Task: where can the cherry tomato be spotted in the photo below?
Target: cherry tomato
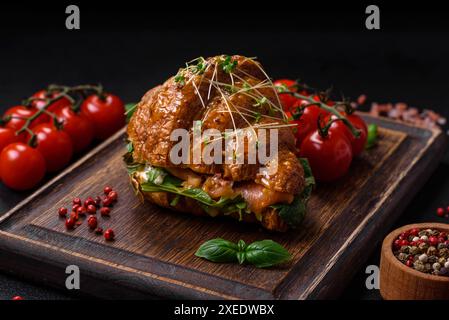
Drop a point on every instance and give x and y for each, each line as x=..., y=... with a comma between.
x=55, y=145
x=327, y=101
x=287, y=100
x=329, y=156
x=8, y=136
x=77, y=126
x=21, y=167
x=358, y=144
x=107, y=114
x=307, y=122
x=18, y=113
x=43, y=94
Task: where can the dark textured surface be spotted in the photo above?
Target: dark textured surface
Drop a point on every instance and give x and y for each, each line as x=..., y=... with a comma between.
x=389, y=65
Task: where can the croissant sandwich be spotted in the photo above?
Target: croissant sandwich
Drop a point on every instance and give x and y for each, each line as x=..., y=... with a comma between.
x=221, y=107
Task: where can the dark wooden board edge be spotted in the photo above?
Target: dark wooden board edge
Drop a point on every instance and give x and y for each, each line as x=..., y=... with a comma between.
x=137, y=264
x=99, y=273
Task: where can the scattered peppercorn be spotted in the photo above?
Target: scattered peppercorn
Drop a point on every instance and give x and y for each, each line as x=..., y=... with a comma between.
x=89, y=201
x=90, y=206
x=74, y=216
x=70, y=223
x=107, y=190
x=62, y=212
x=425, y=250
x=77, y=201
x=81, y=211
x=92, y=209
x=107, y=202
x=109, y=235
x=440, y=212
x=15, y=298
x=98, y=201
x=113, y=195
x=92, y=222
x=105, y=211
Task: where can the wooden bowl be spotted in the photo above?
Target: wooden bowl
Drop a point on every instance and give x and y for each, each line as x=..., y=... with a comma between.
x=399, y=282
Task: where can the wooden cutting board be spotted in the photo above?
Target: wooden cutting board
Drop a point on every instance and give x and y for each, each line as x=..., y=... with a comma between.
x=153, y=254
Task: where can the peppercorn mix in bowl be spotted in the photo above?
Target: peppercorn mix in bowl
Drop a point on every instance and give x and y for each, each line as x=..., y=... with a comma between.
x=414, y=264
x=425, y=250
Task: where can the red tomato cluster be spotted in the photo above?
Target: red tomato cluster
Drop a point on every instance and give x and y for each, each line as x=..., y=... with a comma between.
x=329, y=153
x=51, y=138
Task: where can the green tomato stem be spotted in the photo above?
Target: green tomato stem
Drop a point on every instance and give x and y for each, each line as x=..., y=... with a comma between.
x=62, y=92
x=329, y=109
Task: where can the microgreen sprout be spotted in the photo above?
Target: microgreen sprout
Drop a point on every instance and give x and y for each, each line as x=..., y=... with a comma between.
x=228, y=64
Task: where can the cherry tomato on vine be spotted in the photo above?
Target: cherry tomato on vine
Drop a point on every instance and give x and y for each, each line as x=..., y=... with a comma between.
x=326, y=100
x=329, y=156
x=21, y=166
x=19, y=113
x=107, y=114
x=43, y=94
x=287, y=100
x=358, y=144
x=78, y=127
x=55, y=145
x=308, y=121
x=8, y=136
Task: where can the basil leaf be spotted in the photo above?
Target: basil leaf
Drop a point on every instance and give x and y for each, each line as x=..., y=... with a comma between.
x=262, y=254
x=241, y=257
x=218, y=250
x=372, y=136
x=266, y=253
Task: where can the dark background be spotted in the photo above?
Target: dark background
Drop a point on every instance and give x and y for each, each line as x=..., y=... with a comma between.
x=129, y=48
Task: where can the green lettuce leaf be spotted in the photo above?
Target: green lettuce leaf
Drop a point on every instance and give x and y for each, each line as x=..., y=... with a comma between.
x=293, y=214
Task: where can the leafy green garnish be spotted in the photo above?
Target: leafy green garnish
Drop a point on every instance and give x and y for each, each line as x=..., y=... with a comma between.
x=281, y=88
x=200, y=67
x=228, y=64
x=180, y=79
x=130, y=147
x=262, y=254
x=372, y=136
x=129, y=110
x=308, y=176
x=160, y=180
x=131, y=165
x=266, y=253
x=175, y=200
x=218, y=250
x=293, y=214
x=260, y=102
